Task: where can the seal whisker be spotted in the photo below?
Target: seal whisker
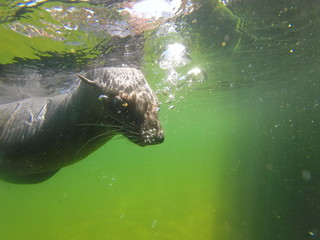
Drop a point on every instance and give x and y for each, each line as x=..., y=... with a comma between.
x=134, y=139
x=115, y=127
x=118, y=137
x=100, y=125
x=104, y=136
x=131, y=126
x=135, y=133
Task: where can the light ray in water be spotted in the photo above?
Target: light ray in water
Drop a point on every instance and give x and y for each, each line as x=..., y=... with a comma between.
x=154, y=9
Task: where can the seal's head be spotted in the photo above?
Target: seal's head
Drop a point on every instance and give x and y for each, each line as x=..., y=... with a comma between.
x=129, y=104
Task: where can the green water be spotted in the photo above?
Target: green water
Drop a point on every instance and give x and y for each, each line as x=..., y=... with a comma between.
x=241, y=155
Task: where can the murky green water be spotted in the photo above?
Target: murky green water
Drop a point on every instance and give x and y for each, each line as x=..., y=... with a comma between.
x=241, y=155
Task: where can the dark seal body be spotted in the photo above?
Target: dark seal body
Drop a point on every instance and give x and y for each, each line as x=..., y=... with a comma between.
x=38, y=136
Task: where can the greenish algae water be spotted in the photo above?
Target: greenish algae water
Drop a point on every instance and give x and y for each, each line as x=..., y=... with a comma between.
x=170, y=191
x=240, y=159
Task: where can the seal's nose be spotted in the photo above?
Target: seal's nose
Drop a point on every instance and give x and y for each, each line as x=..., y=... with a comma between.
x=159, y=138
x=152, y=137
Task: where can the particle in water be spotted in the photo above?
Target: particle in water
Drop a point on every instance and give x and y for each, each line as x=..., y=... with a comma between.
x=306, y=175
x=312, y=234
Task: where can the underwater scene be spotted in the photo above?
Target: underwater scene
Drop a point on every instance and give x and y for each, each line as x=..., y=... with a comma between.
x=238, y=85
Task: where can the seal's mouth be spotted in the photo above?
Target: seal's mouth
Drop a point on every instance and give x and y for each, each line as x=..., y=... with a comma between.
x=145, y=137
x=151, y=137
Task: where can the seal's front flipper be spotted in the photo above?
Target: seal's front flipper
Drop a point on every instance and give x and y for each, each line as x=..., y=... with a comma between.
x=29, y=179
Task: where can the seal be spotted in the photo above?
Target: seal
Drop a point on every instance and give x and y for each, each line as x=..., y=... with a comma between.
x=40, y=135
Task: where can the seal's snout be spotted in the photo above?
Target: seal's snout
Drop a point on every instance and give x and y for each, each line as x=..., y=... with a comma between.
x=159, y=138
x=152, y=137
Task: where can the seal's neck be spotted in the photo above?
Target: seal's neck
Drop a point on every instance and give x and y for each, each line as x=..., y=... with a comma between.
x=82, y=104
x=80, y=115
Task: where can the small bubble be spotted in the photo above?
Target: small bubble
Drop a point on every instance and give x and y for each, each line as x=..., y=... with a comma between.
x=306, y=175
x=154, y=224
x=196, y=75
x=171, y=97
x=226, y=38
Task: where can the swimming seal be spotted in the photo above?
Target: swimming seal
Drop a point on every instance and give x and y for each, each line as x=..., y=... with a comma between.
x=38, y=136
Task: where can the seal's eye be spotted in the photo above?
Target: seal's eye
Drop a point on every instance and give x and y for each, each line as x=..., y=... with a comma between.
x=119, y=103
x=103, y=98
